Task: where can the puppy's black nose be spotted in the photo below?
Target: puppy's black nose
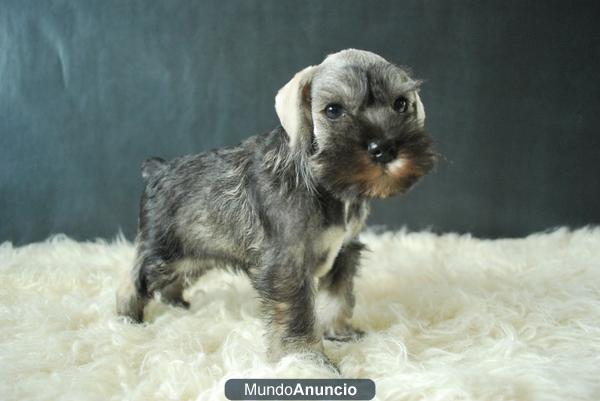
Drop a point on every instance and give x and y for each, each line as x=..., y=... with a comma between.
x=381, y=151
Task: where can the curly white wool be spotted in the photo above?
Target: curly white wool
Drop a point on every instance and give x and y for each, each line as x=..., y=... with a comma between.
x=448, y=318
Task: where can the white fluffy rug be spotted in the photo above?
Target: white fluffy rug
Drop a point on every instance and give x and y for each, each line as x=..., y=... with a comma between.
x=448, y=318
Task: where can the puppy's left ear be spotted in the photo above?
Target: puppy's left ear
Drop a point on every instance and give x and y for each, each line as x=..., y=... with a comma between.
x=292, y=105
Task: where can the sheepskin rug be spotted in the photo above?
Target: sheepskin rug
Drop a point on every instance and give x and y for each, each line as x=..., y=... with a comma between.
x=449, y=317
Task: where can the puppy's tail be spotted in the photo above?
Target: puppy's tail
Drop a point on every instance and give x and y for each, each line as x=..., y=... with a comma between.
x=152, y=166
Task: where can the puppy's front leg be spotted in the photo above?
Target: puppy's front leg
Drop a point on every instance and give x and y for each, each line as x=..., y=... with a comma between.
x=335, y=298
x=287, y=293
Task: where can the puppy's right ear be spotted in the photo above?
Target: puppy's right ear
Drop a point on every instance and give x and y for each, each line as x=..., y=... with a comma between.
x=292, y=105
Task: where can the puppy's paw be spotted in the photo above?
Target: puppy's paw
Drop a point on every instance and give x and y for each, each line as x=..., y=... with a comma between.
x=344, y=333
x=180, y=303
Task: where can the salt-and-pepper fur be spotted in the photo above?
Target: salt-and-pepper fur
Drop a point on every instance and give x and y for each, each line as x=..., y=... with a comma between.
x=285, y=207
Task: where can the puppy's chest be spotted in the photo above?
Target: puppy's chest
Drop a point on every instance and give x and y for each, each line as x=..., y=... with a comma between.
x=329, y=242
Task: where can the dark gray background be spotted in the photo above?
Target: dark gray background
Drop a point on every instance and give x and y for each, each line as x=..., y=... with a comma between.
x=88, y=89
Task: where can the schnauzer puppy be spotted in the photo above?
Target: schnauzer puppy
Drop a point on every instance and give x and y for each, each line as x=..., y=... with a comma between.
x=286, y=207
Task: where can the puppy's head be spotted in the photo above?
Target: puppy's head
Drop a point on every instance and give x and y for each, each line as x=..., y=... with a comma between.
x=361, y=121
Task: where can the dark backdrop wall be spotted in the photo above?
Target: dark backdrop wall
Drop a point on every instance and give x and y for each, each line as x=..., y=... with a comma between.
x=88, y=89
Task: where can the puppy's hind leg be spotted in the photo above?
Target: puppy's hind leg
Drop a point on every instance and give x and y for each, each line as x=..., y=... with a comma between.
x=130, y=302
x=185, y=272
x=150, y=273
x=173, y=293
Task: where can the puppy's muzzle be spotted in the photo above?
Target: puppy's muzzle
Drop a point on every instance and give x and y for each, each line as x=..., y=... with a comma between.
x=381, y=151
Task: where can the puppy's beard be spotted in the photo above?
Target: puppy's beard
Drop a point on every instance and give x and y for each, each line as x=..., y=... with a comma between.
x=347, y=171
x=383, y=181
x=396, y=167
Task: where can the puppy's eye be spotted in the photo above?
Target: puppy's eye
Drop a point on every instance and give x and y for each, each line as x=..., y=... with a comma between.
x=401, y=104
x=333, y=111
